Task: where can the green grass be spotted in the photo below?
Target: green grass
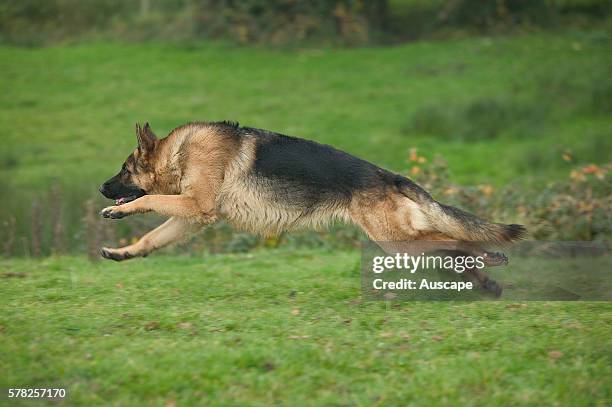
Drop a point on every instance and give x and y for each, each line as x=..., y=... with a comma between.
x=67, y=112
x=275, y=326
x=285, y=328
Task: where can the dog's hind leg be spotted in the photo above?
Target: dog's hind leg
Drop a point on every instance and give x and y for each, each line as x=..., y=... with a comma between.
x=397, y=227
x=476, y=275
x=384, y=218
x=472, y=249
x=171, y=231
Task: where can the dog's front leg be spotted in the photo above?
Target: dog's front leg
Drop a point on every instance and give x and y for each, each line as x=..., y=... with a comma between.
x=174, y=229
x=168, y=205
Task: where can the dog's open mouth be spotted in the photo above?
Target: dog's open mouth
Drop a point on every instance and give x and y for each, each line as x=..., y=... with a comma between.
x=127, y=199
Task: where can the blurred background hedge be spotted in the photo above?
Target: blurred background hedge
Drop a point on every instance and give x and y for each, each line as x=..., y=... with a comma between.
x=282, y=22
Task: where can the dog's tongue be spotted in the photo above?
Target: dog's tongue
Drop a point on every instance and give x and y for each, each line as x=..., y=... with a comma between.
x=120, y=201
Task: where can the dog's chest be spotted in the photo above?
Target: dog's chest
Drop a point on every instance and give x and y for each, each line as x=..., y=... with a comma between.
x=249, y=207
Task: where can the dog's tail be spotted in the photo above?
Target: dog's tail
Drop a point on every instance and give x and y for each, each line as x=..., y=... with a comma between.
x=455, y=222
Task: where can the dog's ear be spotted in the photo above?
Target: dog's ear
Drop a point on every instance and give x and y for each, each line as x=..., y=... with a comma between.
x=146, y=138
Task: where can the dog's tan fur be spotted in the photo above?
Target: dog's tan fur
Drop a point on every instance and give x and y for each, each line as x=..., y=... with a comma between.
x=250, y=205
x=200, y=173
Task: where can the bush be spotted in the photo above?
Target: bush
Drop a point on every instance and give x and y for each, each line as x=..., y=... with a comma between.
x=579, y=208
x=494, y=15
x=284, y=21
x=34, y=22
x=345, y=22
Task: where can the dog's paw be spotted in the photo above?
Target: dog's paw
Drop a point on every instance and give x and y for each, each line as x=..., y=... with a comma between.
x=495, y=259
x=113, y=254
x=112, y=212
x=492, y=287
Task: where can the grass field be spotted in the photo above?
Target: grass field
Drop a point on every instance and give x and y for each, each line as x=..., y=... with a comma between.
x=287, y=328
x=278, y=326
x=517, y=102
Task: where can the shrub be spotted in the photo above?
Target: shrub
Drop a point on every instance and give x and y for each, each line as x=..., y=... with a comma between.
x=579, y=208
x=33, y=22
x=348, y=22
x=487, y=15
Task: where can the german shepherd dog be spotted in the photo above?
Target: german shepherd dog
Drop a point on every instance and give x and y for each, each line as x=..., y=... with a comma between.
x=267, y=183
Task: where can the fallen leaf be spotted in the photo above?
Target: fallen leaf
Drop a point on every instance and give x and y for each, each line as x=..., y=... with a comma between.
x=185, y=325
x=437, y=338
x=119, y=285
x=295, y=311
x=555, y=354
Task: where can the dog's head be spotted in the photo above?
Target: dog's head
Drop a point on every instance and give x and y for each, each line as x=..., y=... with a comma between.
x=137, y=174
